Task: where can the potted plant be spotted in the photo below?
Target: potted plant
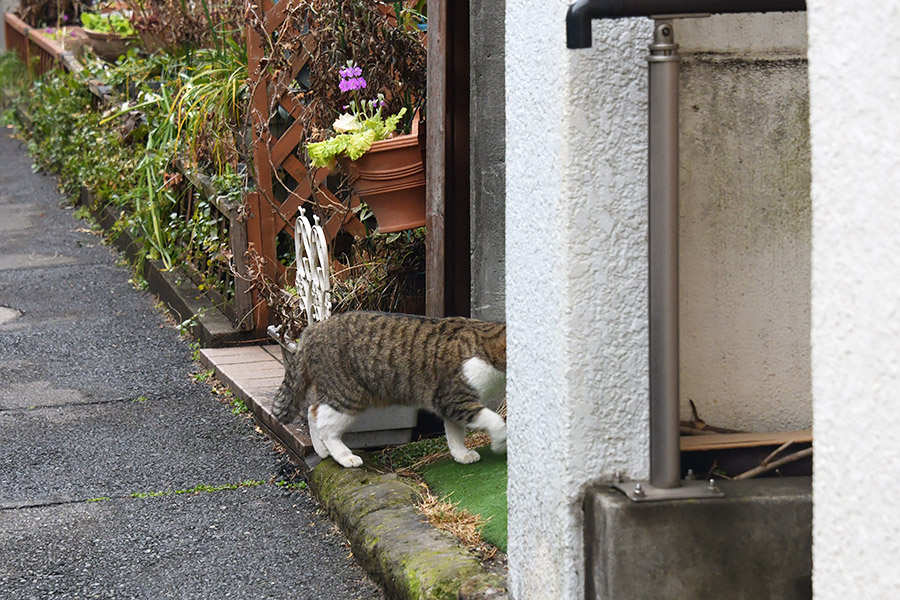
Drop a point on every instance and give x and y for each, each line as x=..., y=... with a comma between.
x=109, y=35
x=386, y=171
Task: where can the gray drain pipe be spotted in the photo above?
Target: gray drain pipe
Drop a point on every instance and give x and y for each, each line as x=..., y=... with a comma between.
x=664, y=70
x=580, y=14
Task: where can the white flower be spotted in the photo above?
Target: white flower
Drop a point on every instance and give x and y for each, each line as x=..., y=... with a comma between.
x=346, y=123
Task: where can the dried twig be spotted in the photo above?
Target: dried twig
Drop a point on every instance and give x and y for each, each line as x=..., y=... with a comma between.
x=763, y=468
x=688, y=430
x=777, y=451
x=697, y=426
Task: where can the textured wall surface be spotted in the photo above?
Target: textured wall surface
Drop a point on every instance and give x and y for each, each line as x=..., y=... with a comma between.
x=745, y=221
x=576, y=285
x=488, y=172
x=854, y=93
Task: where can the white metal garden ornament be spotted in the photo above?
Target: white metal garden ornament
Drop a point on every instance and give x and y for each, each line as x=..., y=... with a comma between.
x=313, y=279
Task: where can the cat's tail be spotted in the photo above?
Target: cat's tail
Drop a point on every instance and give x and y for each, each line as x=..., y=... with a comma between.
x=291, y=394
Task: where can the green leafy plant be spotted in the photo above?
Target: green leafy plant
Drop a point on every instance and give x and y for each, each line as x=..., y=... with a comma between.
x=357, y=129
x=107, y=23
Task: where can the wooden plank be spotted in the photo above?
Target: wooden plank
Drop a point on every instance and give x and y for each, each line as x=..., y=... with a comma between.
x=254, y=240
x=291, y=104
x=286, y=143
x=274, y=350
x=246, y=371
x=275, y=16
x=237, y=361
x=238, y=243
x=435, y=158
x=245, y=352
x=722, y=441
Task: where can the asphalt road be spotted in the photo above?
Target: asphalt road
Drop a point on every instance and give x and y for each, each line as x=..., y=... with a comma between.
x=102, y=429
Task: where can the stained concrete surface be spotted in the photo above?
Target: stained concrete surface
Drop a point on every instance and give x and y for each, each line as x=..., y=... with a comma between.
x=754, y=543
x=96, y=401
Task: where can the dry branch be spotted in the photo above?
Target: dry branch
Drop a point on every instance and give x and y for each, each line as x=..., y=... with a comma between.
x=763, y=468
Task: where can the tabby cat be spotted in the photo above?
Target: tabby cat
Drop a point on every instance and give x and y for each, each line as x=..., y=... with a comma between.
x=359, y=360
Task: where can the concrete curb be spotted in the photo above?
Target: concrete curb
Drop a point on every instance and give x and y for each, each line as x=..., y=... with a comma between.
x=390, y=539
x=207, y=323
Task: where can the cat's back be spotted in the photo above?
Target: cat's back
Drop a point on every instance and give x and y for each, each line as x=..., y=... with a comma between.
x=391, y=351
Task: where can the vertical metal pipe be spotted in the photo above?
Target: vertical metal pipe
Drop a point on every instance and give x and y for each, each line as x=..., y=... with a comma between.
x=664, y=68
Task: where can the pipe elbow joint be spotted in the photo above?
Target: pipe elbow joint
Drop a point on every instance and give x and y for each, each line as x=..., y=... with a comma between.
x=581, y=14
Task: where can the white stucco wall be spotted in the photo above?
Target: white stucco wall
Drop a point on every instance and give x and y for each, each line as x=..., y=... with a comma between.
x=855, y=131
x=576, y=282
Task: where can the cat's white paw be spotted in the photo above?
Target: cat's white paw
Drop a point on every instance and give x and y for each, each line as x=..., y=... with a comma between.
x=350, y=461
x=498, y=445
x=322, y=451
x=467, y=458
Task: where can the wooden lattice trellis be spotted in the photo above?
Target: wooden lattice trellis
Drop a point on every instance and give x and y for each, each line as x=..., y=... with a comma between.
x=282, y=180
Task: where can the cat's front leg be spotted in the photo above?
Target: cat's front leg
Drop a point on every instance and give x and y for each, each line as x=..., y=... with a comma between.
x=331, y=425
x=488, y=420
x=456, y=440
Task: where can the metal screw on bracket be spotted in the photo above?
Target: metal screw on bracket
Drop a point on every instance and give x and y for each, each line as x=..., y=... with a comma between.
x=689, y=476
x=638, y=490
x=712, y=488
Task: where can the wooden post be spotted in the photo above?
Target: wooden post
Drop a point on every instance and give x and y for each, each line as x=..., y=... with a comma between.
x=447, y=247
x=436, y=158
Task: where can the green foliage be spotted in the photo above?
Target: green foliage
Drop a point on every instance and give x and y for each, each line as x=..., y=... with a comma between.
x=111, y=23
x=203, y=376
x=239, y=407
x=299, y=485
x=201, y=488
x=13, y=75
x=353, y=144
x=408, y=455
x=166, y=107
x=479, y=488
x=66, y=137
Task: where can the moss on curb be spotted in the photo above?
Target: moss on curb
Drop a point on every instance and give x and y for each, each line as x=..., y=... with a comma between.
x=411, y=559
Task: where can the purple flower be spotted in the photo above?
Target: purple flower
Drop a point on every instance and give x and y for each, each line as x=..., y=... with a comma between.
x=353, y=83
x=49, y=30
x=65, y=18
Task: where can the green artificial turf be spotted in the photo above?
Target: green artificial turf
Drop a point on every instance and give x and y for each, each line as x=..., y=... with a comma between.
x=479, y=488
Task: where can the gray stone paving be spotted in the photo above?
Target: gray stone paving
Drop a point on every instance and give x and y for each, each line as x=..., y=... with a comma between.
x=96, y=401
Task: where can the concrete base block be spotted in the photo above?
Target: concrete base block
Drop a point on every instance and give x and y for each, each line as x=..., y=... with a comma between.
x=755, y=543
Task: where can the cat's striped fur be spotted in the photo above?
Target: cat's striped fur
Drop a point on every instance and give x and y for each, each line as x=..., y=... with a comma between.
x=355, y=361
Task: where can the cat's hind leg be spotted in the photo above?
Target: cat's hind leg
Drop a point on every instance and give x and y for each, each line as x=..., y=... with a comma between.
x=318, y=446
x=456, y=440
x=331, y=425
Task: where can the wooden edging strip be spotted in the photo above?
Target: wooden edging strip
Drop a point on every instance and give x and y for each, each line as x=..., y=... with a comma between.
x=722, y=441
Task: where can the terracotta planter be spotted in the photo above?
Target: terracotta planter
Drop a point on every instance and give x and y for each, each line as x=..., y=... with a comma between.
x=390, y=179
x=109, y=46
